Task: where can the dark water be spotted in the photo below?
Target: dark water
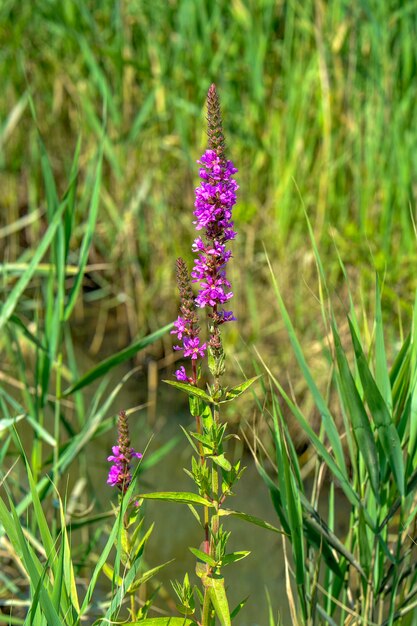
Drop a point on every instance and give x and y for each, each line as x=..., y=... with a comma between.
x=175, y=527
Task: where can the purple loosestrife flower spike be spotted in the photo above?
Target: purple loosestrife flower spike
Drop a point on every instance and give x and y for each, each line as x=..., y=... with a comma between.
x=186, y=326
x=214, y=201
x=119, y=474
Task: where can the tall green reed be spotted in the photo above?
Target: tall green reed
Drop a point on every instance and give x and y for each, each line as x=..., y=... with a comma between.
x=46, y=425
x=363, y=465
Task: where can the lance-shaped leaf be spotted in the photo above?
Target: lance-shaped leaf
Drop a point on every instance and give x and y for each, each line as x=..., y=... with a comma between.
x=252, y=519
x=185, y=497
x=387, y=432
x=11, y=301
x=14, y=319
x=162, y=621
x=234, y=556
x=321, y=449
x=147, y=576
x=237, y=391
x=221, y=461
x=313, y=522
x=327, y=418
x=217, y=594
x=381, y=367
x=295, y=520
x=87, y=240
x=203, y=556
x=191, y=390
x=358, y=416
x=239, y=607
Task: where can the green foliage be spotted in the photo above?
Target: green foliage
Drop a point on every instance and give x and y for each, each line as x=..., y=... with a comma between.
x=176, y=496
x=368, y=570
x=40, y=350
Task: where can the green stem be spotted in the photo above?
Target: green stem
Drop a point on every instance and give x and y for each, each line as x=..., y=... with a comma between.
x=206, y=615
x=55, y=472
x=57, y=418
x=202, y=462
x=132, y=607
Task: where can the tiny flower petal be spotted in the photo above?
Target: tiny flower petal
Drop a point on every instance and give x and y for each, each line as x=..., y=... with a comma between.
x=181, y=374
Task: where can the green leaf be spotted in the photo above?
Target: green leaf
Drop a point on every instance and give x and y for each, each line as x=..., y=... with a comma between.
x=197, y=405
x=205, y=440
x=88, y=237
x=14, y=319
x=218, y=597
x=251, y=519
x=321, y=449
x=147, y=576
x=108, y=570
x=295, y=520
x=315, y=524
x=328, y=421
x=69, y=574
x=237, y=391
x=238, y=607
x=191, y=390
x=203, y=556
x=234, y=556
x=138, y=544
x=221, y=461
x=387, y=432
x=177, y=496
x=358, y=416
x=277, y=496
x=41, y=521
x=75, y=523
x=207, y=417
x=381, y=367
x=120, y=357
x=13, y=298
x=6, y=422
x=36, y=574
x=162, y=621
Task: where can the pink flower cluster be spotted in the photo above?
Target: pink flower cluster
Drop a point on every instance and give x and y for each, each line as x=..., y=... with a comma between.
x=215, y=198
x=119, y=473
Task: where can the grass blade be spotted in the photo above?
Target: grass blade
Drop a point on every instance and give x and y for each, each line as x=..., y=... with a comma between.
x=387, y=432
x=13, y=298
x=358, y=416
x=120, y=357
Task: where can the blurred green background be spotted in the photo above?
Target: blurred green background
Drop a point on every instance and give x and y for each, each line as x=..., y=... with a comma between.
x=319, y=111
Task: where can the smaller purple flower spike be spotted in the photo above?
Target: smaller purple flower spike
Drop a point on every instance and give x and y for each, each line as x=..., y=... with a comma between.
x=122, y=454
x=186, y=326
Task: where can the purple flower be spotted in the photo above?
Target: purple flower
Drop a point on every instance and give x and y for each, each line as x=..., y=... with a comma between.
x=181, y=327
x=227, y=316
x=186, y=325
x=193, y=349
x=181, y=374
x=122, y=453
x=215, y=198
